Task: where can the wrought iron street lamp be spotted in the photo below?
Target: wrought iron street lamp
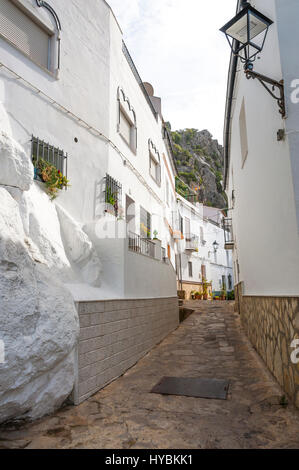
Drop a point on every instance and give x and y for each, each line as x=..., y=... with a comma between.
x=248, y=25
x=246, y=34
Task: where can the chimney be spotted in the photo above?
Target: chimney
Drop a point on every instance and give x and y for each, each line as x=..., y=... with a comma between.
x=156, y=101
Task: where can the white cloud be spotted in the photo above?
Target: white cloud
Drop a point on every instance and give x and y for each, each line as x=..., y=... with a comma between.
x=176, y=45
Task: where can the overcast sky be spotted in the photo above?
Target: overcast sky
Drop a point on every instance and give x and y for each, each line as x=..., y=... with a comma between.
x=177, y=47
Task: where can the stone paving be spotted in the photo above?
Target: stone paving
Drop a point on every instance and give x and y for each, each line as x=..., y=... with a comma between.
x=210, y=343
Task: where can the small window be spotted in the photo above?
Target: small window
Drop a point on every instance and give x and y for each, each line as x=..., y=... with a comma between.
x=25, y=34
x=44, y=152
x=113, y=195
x=145, y=223
x=243, y=133
x=154, y=163
x=190, y=269
x=155, y=169
x=127, y=121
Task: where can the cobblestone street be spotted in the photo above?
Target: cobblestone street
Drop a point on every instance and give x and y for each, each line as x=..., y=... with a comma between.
x=210, y=343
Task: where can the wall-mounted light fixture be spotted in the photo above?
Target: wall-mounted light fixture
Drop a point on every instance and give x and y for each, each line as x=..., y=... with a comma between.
x=216, y=246
x=246, y=34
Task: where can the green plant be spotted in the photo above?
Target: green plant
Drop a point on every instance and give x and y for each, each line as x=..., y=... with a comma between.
x=53, y=178
x=110, y=197
x=205, y=286
x=231, y=295
x=155, y=234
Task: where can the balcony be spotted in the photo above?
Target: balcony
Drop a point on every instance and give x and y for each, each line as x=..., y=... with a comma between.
x=146, y=247
x=176, y=226
x=229, y=242
x=192, y=242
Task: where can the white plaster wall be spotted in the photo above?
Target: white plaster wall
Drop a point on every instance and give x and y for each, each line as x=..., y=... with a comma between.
x=82, y=87
x=87, y=86
x=148, y=127
x=215, y=267
x=265, y=229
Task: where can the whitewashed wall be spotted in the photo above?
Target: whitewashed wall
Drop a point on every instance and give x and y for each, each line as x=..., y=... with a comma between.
x=265, y=226
x=217, y=265
x=93, y=66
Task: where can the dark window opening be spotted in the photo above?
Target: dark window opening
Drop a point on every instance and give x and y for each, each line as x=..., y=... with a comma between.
x=113, y=195
x=145, y=223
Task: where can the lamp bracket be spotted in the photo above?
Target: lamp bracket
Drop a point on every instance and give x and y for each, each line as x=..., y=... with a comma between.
x=275, y=87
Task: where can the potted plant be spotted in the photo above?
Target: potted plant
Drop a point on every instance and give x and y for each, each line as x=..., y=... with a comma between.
x=51, y=176
x=193, y=293
x=223, y=294
x=205, y=285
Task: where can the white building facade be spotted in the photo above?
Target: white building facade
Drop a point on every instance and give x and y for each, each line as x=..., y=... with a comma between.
x=262, y=184
x=201, y=253
x=71, y=97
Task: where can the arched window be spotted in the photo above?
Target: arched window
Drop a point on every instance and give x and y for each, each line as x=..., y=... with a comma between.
x=154, y=163
x=37, y=39
x=127, y=125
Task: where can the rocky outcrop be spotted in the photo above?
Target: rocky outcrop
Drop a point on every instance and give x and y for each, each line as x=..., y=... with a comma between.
x=200, y=163
x=41, y=248
x=80, y=249
x=16, y=168
x=38, y=325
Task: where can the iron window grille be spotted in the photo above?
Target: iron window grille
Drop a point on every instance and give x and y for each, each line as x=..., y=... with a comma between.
x=40, y=150
x=113, y=195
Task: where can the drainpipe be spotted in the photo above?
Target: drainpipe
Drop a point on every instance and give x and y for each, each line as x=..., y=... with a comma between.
x=230, y=92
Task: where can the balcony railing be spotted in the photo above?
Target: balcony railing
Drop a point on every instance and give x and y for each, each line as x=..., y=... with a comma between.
x=229, y=242
x=147, y=247
x=192, y=242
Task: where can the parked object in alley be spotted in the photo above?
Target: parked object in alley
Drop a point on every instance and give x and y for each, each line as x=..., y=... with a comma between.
x=193, y=387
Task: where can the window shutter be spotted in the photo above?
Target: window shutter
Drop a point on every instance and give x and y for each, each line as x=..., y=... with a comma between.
x=159, y=174
x=21, y=31
x=134, y=139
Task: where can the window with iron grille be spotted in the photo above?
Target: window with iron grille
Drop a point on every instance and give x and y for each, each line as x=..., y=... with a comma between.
x=113, y=195
x=190, y=269
x=44, y=152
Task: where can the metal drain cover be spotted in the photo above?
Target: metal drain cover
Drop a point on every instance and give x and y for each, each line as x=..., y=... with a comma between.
x=193, y=387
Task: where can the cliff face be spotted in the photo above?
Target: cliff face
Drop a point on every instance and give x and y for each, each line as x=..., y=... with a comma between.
x=200, y=164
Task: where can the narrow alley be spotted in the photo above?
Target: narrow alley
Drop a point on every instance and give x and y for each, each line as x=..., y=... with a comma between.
x=125, y=414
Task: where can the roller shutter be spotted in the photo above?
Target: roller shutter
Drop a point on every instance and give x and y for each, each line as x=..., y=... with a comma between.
x=21, y=31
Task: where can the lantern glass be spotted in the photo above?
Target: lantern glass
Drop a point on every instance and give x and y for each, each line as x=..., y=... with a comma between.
x=247, y=25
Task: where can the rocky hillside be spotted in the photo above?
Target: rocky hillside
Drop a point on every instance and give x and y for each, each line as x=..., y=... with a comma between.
x=200, y=164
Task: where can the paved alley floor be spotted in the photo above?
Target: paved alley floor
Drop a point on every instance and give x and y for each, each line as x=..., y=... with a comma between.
x=210, y=343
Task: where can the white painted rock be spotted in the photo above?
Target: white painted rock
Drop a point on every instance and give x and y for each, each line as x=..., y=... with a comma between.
x=41, y=225
x=38, y=324
x=16, y=167
x=79, y=248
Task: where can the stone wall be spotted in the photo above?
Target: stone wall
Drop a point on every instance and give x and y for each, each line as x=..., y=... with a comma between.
x=188, y=287
x=272, y=323
x=115, y=334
